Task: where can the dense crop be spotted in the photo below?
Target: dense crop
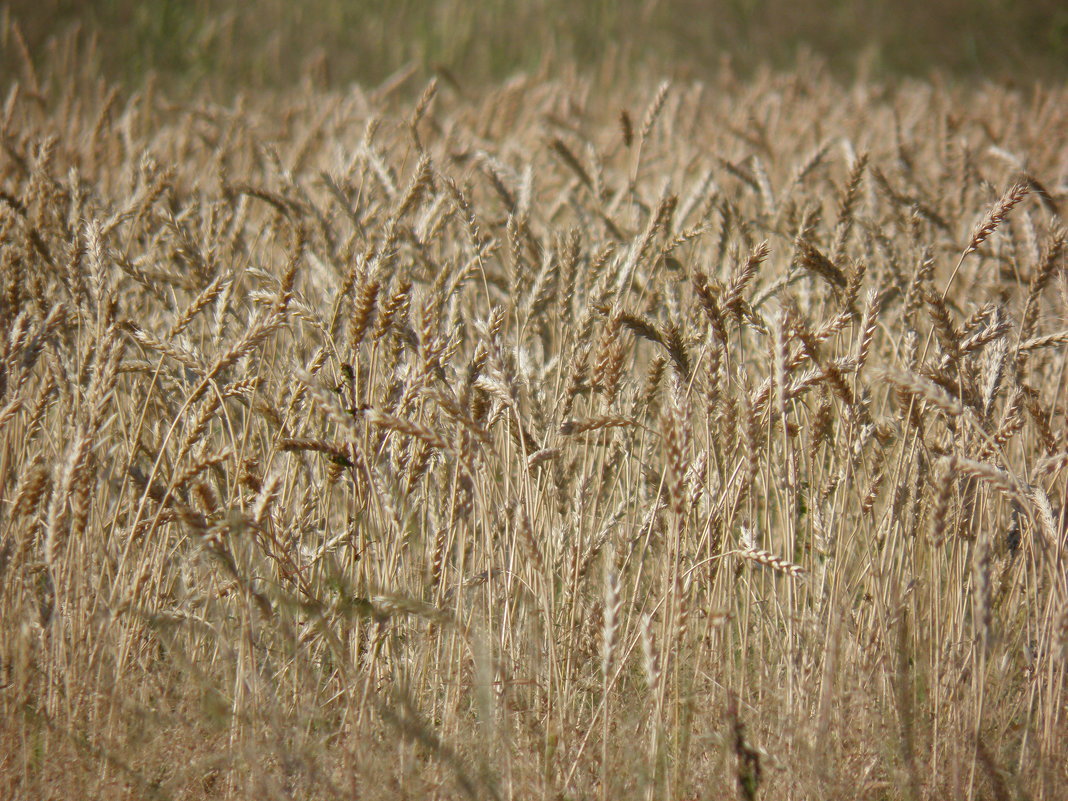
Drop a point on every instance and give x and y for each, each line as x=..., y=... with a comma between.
x=548, y=442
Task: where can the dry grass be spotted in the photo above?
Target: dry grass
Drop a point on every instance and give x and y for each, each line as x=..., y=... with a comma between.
x=511, y=446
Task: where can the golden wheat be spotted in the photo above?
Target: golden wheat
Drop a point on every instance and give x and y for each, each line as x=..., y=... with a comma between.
x=363, y=444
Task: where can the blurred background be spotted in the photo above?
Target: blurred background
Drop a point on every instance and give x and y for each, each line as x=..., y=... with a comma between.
x=228, y=45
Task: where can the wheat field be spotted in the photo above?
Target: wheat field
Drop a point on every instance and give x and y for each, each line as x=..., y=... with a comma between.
x=556, y=440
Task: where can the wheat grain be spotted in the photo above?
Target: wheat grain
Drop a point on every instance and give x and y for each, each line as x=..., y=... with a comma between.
x=283, y=379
